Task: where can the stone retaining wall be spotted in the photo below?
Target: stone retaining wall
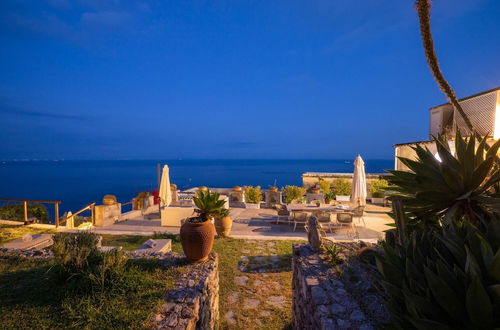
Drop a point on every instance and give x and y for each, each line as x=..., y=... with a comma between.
x=323, y=300
x=194, y=302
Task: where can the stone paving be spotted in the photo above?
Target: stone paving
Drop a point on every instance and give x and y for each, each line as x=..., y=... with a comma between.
x=259, y=224
x=261, y=290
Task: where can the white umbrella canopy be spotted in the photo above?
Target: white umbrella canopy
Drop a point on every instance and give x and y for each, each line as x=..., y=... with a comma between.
x=358, y=194
x=165, y=193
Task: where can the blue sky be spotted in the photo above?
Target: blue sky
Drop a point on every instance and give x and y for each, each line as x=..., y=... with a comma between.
x=110, y=79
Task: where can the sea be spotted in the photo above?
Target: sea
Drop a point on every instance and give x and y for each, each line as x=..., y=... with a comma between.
x=78, y=183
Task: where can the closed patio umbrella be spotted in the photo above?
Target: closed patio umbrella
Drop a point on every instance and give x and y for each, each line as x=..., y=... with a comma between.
x=358, y=194
x=165, y=194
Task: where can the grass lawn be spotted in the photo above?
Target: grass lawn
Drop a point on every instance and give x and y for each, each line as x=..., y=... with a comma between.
x=260, y=286
x=29, y=298
x=10, y=232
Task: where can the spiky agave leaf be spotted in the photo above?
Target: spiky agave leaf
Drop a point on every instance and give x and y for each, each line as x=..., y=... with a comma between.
x=457, y=186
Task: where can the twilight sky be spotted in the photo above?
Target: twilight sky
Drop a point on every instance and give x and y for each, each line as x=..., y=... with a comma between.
x=111, y=79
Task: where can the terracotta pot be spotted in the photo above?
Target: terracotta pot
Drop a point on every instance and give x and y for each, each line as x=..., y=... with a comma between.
x=273, y=189
x=327, y=200
x=223, y=226
x=236, y=188
x=314, y=191
x=197, y=239
x=109, y=200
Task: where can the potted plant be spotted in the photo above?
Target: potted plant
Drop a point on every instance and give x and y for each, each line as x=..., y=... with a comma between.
x=223, y=223
x=197, y=233
x=294, y=194
x=329, y=196
x=253, y=196
x=342, y=189
x=377, y=188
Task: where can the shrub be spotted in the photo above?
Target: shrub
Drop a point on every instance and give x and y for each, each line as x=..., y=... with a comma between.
x=377, y=187
x=253, y=194
x=333, y=252
x=294, y=194
x=444, y=279
x=325, y=186
x=15, y=212
x=456, y=187
x=78, y=259
x=208, y=205
x=342, y=187
x=444, y=273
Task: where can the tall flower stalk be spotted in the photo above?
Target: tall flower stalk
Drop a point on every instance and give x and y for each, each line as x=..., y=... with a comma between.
x=424, y=16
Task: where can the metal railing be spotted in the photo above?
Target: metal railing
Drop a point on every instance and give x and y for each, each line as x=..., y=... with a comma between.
x=90, y=207
x=58, y=220
x=25, y=204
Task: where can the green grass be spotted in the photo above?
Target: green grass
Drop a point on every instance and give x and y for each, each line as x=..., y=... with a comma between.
x=11, y=232
x=28, y=296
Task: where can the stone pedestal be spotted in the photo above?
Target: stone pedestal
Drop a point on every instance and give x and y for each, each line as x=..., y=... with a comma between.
x=106, y=215
x=273, y=198
x=237, y=199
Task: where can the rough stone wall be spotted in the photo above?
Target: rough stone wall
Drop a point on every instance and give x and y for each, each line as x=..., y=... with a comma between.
x=194, y=302
x=322, y=301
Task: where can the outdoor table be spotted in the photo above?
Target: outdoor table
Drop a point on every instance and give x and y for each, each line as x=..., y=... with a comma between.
x=314, y=209
x=292, y=208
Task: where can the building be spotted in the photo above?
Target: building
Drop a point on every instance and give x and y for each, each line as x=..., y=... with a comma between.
x=483, y=110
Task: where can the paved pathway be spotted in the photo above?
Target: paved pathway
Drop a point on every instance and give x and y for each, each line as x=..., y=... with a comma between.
x=260, y=295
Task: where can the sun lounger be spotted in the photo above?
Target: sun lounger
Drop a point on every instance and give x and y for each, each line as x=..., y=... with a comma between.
x=30, y=241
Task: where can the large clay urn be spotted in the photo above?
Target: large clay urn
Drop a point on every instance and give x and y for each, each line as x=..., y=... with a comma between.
x=223, y=226
x=109, y=200
x=197, y=239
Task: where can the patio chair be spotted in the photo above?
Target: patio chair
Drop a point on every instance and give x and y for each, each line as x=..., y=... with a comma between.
x=282, y=212
x=325, y=218
x=358, y=212
x=346, y=219
x=300, y=218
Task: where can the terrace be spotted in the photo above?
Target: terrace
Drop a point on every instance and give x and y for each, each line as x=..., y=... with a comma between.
x=257, y=224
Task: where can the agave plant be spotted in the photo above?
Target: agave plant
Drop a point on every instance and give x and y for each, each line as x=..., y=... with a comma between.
x=445, y=279
x=450, y=186
x=207, y=205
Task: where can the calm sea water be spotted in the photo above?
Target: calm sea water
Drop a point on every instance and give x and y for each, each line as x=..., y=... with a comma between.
x=78, y=183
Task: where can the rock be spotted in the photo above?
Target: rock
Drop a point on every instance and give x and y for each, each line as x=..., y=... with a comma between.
x=276, y=301
x=265, y=313
x=230, y=317
x=357, y=315
x=337, y=309
x=233, y=297
x=343, y=324
x=319, y=295
x=241, y=280
x=250, y=303
x=310, y=280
